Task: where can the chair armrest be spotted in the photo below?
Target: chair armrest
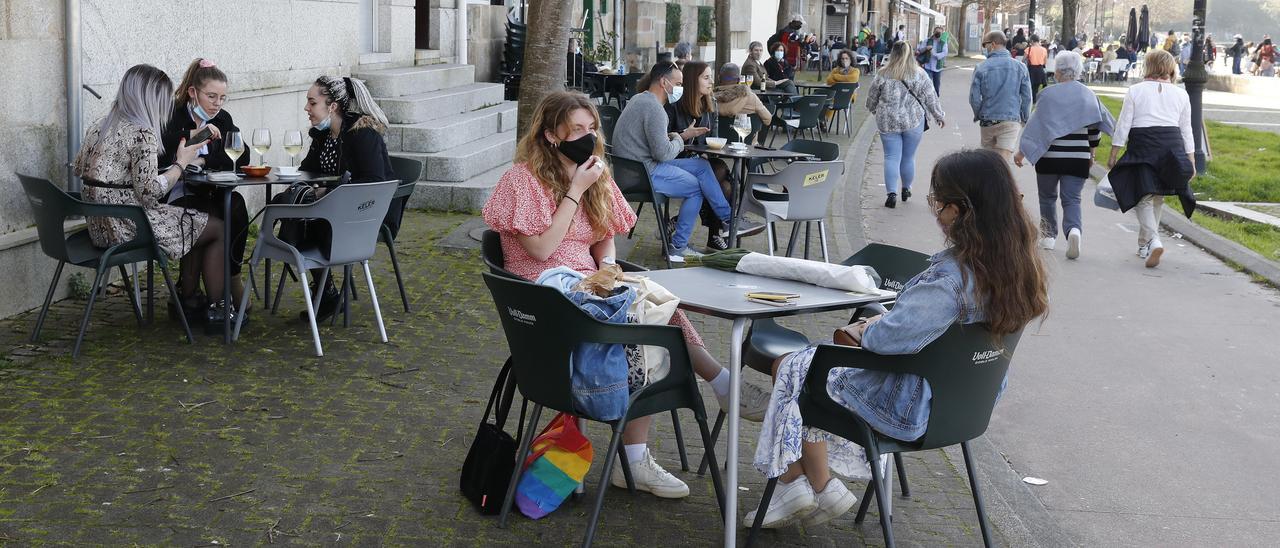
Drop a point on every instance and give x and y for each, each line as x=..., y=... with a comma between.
x=628, y=266
x=143, y=237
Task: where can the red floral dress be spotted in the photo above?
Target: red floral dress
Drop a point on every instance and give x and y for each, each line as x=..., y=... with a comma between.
x=522, y=205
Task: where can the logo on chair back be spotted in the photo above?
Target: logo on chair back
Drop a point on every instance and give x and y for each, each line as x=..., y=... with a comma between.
x=816, y=177
x=893, y=285
x=987, y=356
x=522, y=317
x=365, y=205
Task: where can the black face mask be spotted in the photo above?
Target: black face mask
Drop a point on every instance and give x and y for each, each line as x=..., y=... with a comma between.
x=578, y=150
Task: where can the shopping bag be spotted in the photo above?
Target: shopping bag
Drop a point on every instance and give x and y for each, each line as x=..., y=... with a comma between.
x=558, y=460
x=654, y=305
x=486, y=472
x=1105, y=196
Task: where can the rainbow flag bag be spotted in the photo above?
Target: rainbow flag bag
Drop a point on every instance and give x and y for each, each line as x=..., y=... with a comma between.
x=558, y=460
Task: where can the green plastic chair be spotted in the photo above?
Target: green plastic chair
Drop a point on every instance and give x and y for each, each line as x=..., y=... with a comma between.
x=633, y=180
x=51, y=207
x=543, y=328
x=965, y=368
x=491, y=252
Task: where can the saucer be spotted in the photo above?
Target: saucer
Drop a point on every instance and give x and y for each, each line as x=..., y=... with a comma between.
x=289, y=176
x=222, y=176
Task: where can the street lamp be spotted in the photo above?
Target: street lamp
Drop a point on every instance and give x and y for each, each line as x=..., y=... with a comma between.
x=1195, y=78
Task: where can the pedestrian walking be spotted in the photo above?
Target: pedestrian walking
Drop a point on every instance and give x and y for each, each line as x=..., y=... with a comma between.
x=1155, y=125
x=900, y=98
x=1000, y=95
x=932, y=55
x=1059, y=140
x=1236, y=51
x=1037, y=58
x=1267, y=58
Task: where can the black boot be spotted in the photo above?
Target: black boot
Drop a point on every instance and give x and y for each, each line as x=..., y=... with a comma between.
x=193, y=307
x=892, y=200
x=329, y=302
x=906, y=194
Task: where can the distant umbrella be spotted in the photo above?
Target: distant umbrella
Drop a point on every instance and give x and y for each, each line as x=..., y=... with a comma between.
x=1131, y=37
x=1144, y=29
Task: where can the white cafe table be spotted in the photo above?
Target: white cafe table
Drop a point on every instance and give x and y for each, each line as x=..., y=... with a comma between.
x=723, y=295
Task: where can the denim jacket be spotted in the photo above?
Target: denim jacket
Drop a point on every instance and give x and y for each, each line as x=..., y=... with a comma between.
x=897, y=404
x=599, y=370
x=1001, y=89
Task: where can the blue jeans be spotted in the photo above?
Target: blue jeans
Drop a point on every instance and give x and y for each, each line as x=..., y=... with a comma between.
x=900, y=157
x=1049, y=185
x=691, y=180
x=936, y=76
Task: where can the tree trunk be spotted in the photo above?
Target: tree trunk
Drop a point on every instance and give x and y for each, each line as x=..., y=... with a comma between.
x=784, y=14
x=962, y=30
x=892, y=9
x=544, y=57
x=722, y=35
x=1069, y=8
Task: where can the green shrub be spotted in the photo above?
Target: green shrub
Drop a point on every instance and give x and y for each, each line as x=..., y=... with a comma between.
x=706, y=24
x=673, y=23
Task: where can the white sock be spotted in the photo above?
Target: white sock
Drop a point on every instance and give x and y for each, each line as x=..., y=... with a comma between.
x=635, y=453
x=720, y=384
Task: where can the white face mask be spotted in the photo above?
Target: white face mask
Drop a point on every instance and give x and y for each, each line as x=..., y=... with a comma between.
x=675, y=94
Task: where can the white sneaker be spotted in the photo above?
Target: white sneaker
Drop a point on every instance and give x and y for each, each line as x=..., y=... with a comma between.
x=833, y=501
x=753, y=402
x=1048, y=243
x=649, y=477
x=1156, y=250
x=791, y=502
x=678, y=255
x=1073, y=244
x=1144, y=250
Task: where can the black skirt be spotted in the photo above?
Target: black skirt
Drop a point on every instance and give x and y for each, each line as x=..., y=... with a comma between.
x=1155, y=162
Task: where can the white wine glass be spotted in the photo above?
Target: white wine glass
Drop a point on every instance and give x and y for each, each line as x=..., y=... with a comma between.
x=741, y=126
x=261, y=143
x=233, y=145
x=293, y=145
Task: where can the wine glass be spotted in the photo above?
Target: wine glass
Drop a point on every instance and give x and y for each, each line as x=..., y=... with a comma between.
x=233, y=145
x=262, y=143
x=293, y=144
x=741, y=126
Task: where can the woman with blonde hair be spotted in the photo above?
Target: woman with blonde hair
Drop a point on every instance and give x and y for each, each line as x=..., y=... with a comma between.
x=558, y=206
x=1155, y=126
x=118, y=164
x=900, y=98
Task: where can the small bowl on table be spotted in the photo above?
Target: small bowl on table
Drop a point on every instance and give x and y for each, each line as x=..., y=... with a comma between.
x=256, y=171
x=287, y=172
x=716, y=143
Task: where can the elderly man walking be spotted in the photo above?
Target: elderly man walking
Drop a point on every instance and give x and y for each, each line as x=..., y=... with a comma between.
x=1000, y=96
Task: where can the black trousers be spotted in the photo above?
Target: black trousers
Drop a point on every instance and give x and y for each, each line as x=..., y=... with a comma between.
x=209, y=200
x=1038, y=80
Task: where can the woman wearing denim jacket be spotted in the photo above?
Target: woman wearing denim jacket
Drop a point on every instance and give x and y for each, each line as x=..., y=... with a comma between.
x=990, y=273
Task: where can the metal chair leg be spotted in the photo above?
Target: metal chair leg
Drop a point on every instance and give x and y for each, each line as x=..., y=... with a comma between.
x=373, y=298
x=284, y=272
x=977, y=495
x=614, y=444
x=525, y=442
x=151, y=292
x=808, y=225
x=877, y=479
x=715, y=435
x=902, y=475
x=177, y=300
x=709, y=456
x=130, y=280
x=761, y=510
x=773, y=237
x=395, y=266
x=626, y=470
x=684, y=457
x=88, y=309
x=866, y=503
x=311, y=310
x=48, y=299
x=795, y=233
x=822, y=233
x=346, y=302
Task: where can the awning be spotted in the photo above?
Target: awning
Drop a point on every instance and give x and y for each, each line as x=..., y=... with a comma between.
x=922, y=9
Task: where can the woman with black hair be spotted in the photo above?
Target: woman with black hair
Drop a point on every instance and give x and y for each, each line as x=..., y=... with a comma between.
x=990, y=273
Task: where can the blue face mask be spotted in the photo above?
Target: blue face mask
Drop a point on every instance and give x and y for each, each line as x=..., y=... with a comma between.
x=199, y=112
x=324, y=124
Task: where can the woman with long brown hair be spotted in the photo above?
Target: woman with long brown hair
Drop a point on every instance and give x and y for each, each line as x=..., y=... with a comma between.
x=697, y=109
x=990, y=273
x=558, y=206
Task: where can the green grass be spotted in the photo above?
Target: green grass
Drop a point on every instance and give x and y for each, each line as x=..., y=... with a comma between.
x=1241, y=171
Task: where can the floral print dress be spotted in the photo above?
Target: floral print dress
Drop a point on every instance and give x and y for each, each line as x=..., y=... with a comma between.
x=128, y=156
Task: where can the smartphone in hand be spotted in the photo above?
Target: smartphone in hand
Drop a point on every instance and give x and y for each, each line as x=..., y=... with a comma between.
x=200, y=137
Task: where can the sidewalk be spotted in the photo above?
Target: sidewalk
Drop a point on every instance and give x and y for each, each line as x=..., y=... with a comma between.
x=1147, y=398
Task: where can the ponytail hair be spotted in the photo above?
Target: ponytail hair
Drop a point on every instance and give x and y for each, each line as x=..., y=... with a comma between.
x=353, y=98
x=199, y=72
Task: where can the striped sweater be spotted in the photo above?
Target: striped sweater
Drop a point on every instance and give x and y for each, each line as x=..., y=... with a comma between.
x=1070, y=154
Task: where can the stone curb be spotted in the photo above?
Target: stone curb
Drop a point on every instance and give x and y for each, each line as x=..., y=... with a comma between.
x=1216, y=245
x=1014, y=511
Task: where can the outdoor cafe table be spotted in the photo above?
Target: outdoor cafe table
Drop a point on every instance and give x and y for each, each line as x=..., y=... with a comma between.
x=723, y=295
x=244, y=182
x=743, y=165
x=810, y=87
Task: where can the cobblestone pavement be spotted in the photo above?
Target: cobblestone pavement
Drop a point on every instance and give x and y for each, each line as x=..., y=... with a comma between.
x=147, y=440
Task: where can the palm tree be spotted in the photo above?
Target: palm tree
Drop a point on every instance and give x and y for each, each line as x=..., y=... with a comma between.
x=722, y=34
x=544, y=57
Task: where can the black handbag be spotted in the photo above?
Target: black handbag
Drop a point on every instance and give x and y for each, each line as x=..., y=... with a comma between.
x=486, y=473
x=913, y=96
